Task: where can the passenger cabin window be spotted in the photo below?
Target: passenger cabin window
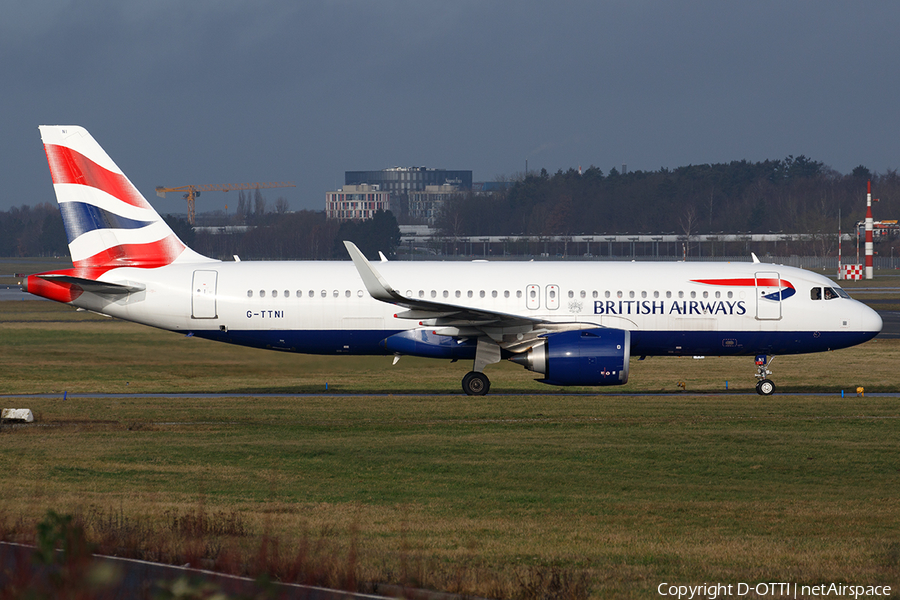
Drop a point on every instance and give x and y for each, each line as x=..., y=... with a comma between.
x=249, y=293
x=262, y=293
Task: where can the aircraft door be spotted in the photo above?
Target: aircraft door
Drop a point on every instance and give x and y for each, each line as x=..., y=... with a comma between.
x=533, y=297
x=552, y=297
x=203, y=295
x=768, y=296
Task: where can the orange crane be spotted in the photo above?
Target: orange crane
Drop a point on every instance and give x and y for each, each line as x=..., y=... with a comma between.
x=192, y=191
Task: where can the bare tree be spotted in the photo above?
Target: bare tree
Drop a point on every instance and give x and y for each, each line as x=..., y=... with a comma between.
x=259, y=203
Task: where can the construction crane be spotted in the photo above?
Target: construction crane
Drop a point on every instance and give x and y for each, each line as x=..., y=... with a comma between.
x=192, y=191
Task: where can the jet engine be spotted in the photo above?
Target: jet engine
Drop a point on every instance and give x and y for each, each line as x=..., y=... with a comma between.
x=596, y=356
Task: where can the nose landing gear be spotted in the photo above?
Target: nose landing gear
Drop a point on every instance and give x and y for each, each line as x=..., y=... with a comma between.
x=765, y=386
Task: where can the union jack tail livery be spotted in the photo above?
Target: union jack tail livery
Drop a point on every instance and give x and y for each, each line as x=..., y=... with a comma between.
x=108, y=222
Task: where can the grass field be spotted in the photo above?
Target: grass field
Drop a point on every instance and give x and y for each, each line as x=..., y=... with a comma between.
x=536, y=492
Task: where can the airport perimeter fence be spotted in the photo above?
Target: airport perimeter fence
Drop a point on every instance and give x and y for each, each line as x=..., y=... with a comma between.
x=815, y=263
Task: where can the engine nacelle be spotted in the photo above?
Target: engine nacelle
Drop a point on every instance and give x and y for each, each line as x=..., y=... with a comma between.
x=596, y=356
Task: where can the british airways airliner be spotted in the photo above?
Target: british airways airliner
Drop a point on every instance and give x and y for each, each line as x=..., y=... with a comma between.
x=572, y=323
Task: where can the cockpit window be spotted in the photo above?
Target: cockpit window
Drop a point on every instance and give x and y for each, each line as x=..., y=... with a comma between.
x=829, y=293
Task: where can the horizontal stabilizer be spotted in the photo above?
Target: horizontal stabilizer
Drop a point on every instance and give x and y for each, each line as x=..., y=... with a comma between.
x=95, y=287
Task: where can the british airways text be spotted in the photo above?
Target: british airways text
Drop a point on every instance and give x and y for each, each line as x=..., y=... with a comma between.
x=658, y=307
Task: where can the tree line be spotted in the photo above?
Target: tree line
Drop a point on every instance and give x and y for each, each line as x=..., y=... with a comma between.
x=795, y=195
x=39, y=231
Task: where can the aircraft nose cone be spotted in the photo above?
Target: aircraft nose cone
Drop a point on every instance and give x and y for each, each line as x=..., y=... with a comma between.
x=871, y=320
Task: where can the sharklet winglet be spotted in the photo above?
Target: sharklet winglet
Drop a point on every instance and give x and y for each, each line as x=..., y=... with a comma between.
x=375, y=284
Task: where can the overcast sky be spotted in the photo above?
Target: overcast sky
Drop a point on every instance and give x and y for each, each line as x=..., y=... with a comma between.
x=230, y=91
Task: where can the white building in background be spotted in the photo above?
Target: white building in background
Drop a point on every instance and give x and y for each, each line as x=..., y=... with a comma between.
x=356, y=202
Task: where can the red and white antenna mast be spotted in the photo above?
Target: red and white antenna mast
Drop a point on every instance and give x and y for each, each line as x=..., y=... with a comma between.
x=840, y=273
x=870, y=271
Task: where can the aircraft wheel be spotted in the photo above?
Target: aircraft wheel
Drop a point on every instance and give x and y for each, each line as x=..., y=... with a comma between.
x=476, y=384
x=765, y=387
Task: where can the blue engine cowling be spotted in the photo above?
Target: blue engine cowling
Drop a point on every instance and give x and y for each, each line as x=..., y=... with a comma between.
x=596, y=356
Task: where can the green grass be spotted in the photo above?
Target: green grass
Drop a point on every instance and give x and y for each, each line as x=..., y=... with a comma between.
x=632, y=491
x=478, y=495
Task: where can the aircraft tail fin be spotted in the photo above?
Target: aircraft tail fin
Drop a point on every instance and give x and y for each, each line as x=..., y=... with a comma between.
x=108, y=221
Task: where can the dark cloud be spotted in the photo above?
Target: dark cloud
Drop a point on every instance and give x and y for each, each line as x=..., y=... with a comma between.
x=217, y=92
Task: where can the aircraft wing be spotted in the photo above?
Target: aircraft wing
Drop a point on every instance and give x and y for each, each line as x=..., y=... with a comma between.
x=512, y=332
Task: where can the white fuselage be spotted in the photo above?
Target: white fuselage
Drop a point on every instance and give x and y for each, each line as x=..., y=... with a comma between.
x=669, y=308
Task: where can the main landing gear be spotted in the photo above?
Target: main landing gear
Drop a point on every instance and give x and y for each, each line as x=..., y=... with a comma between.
x=476, y=383
x=765, y=386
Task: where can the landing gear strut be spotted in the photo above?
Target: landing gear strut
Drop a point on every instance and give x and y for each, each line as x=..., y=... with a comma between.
x=476, y=383
x=765, y=386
